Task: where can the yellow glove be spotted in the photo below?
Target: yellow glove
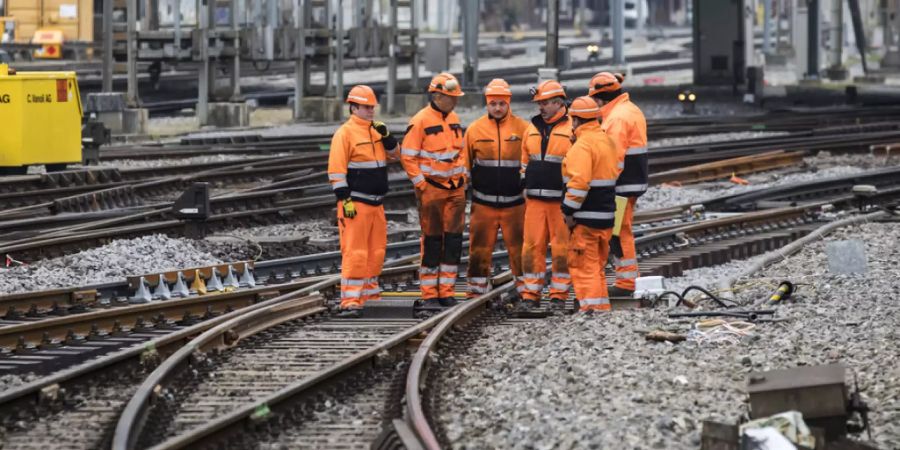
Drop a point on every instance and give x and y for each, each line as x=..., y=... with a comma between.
x=381, y=128
x=349, y=209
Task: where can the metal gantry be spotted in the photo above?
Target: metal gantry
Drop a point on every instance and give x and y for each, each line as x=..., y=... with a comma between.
x=316, y=35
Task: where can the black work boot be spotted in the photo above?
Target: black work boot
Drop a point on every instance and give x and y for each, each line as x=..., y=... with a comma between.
x=557, y=304
x=529, y=304
x=448, y=302
x=432, y=303
x=350, y=313
x=618, y=292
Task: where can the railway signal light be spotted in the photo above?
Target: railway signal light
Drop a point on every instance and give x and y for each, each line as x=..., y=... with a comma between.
x=593, y=52
x=688, y=101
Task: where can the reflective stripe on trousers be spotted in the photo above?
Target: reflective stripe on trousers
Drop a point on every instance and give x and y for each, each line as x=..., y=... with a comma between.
x=484, y=223
x=372, y=290
x=588, y=251
x=627, y=268
x=447, y=280
x=544, y=226
x=363, y=243
x=477, y=286
x=441, y=214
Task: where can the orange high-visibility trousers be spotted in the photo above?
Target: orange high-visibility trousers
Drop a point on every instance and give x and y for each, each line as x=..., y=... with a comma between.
x=442, y=217
x=363, y=245
x=627, y=266
x=484, y=221
x=544, y=223
x=588, y=250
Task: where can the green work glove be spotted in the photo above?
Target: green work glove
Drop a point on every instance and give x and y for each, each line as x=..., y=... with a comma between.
x=349, y=209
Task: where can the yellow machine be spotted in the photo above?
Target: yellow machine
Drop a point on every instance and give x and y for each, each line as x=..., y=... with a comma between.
x=41, y=117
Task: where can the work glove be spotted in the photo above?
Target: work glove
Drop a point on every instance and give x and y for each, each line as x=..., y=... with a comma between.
x=388, y=140
x=615, y=247
x=349, y=209
x=570, y=222
x=381, y=128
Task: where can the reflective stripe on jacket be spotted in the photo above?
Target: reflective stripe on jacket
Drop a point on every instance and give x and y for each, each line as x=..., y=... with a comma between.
x=543, y=151
x=493, y=152
x=357, y=166
x=432, y=147
x=624, y=122
x=591, y=168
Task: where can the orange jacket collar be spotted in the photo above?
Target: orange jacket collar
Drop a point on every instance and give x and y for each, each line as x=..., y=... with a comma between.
x=587, y=128
x=559, y=114
x=607, y=108
x=503, y=120
x=356, y=120
x=437, y=111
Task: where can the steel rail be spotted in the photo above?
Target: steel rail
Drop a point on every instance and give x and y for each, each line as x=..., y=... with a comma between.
x=130, y=424
x=415, y=417
x=43, y=390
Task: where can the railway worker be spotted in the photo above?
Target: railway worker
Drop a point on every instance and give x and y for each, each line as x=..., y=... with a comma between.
x=493, y=146
x=357, y=169
x=547, y=140
x=624, y=122
x=432, y=155
x=591, y=168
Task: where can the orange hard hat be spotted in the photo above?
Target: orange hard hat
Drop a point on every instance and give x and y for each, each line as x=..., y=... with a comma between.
x=498, y=87
x=546, y=90
x=585, y=108
x=362, y=95
x=446, y=84
x=605, y=82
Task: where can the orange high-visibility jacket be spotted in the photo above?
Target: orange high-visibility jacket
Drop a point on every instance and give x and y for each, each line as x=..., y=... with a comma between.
x=624, y=122
x=590, y=170
x=357, y=166
x=544, y=148
x=493, y=152
x=432, y=149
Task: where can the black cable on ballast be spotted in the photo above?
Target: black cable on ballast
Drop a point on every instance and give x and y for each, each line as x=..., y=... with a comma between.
x=708, y=294
x=683, y=294
x=677, y=295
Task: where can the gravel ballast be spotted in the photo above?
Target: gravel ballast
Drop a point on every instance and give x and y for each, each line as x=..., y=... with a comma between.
x=711, y=138
x=594, y=382
x=111, y=262
x=665, y=196
x=168, y=162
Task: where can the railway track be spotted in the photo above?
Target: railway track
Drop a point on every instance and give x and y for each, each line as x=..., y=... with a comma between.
x=668, y=252
x=288, y=413
x=79, y=383
x=264, y=206
x=79, y=190
x=94, y=189
x=648, y=223
x=317, y=359
x=107, y=188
